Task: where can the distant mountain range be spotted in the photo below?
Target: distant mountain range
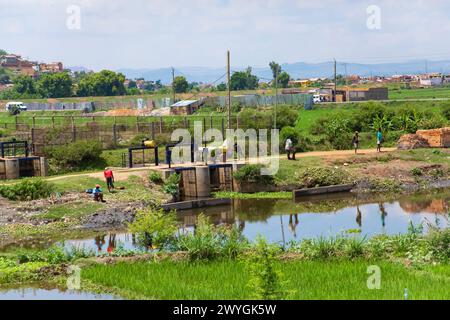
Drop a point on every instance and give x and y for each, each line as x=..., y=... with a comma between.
x=297, y=70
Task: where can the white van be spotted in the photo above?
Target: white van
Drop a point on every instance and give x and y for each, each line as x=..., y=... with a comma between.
x=19, y=105
x=317, y=98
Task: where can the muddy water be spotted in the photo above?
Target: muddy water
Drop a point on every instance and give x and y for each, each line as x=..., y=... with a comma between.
x=283, y=221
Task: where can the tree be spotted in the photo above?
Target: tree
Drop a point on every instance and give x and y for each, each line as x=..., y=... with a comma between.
x=223, y=87
x=283, y=79
x=4, y=76
x=180, y=84
x=276, y=69
x=132, y=84
x=55, y=85
x=104, y=83
x=244, y=80
x=25, y=85
x=3, y=52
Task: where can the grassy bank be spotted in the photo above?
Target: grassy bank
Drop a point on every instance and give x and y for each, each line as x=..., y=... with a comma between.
x=305, y=279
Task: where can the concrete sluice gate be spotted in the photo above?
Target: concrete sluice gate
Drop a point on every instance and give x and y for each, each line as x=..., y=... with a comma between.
x=201, y=181
x=15, y=168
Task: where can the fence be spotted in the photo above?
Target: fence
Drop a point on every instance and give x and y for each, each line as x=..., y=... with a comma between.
x=44, y=132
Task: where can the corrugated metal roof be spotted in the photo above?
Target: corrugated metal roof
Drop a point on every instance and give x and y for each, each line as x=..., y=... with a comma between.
x=184, y=103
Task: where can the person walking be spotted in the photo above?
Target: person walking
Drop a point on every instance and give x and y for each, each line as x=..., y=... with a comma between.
x=379, y=140
x=109, y=176
x=355, y=142
x=289, y=148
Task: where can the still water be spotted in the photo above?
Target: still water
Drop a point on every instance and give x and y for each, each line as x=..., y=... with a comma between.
x=50, y=294
x=283, y=221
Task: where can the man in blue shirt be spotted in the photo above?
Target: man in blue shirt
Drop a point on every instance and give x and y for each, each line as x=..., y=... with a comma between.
x=98, y=194
x=379, y=140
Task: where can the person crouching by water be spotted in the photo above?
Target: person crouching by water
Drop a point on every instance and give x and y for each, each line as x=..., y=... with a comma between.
x=355, y=142
x=290, y=150
x=98, y=194
x=109, y=176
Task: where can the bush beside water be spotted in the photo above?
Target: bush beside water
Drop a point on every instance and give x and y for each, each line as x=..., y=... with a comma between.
x=27, y=190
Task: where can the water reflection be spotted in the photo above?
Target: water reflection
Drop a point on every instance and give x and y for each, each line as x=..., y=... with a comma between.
x=284, y=220
x=50, y=294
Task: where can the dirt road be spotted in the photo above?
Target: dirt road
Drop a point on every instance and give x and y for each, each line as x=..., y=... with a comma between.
x=121, y=174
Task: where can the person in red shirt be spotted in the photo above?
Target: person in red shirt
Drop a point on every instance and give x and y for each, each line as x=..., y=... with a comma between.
x=109, y=176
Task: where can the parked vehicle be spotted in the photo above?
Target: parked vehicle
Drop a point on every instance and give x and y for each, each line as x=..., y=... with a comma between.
x=318, y=98
x=17, y=105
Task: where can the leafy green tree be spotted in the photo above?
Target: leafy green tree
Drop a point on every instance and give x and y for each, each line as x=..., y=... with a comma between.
x=286, y=116
x=244, y=80
x=3, y=52
x=221, y=87
x=283, y=79
x=180, y=84
x=4, y=76
x=276, y=69
x=132, y=84
x=25, y=85
x=104, y=83
x=55, y=85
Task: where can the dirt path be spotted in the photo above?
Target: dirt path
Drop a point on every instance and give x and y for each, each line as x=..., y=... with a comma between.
x=123, y=174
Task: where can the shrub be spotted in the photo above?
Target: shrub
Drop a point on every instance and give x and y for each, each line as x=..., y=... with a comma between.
x=154, y=227
x=417, y=172
x=74, y=155
x=54, y=255
x=287, y=116
x=265, y=275
x=252, y=174
x=250, y=118
x=137, y=140
x=155, y=177
x=338, y=133
x=210, y=242
x=367, y=115
x=302, y=144
x=171, y=185
x=27, y=190
x=433, y=122
x=446, y=112
x=323, y=177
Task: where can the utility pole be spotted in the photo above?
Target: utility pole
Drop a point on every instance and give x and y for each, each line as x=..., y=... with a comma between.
x=335, y=80
x=276, y=98
x=229, y=89
x=173, y=85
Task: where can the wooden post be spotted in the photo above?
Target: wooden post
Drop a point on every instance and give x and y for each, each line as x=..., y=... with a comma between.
x=223, y=127
x=74, y=130
x=53, y=122
x=161, y=125
x=114, y=134
x=153, y=130
x=229, y=89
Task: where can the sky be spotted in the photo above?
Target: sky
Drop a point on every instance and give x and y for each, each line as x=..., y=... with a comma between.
x=114, y=34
